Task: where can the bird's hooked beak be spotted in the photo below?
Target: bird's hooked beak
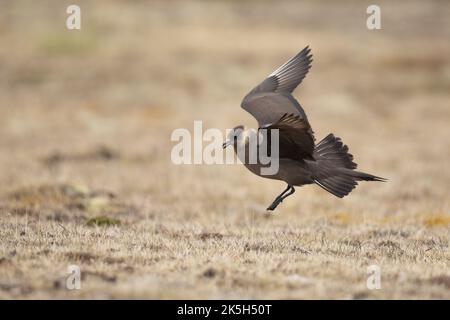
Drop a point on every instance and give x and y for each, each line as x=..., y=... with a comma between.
x=226, y=144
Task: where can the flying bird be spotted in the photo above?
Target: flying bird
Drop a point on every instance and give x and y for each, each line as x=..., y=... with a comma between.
x=327, y=164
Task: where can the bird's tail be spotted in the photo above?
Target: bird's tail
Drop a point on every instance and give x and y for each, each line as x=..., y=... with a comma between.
x=333, y=169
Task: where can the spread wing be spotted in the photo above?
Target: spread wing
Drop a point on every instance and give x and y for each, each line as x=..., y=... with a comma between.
x=272, y=98
x=287, y=77
x=296, y=138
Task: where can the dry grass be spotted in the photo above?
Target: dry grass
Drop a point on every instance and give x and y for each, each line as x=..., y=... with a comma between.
x=86, y=176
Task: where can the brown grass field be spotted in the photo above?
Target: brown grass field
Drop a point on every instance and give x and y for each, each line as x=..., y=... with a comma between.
x=86, y=176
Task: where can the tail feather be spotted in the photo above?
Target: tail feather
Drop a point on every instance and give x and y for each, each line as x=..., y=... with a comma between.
x=361, y=176
x=340, y=186
x=334, y=167
x=332, y=149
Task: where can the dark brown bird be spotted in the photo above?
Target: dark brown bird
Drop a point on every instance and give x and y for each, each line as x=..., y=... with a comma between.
x=301, y=161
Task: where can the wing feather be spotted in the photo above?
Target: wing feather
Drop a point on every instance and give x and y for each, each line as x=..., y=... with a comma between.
x=296, y=138
x=272, y=97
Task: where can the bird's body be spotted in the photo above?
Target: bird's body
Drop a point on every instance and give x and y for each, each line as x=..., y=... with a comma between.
x=301, y=161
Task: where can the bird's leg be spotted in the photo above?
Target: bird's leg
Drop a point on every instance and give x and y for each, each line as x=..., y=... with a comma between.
x=285, y=190
x=281, y=197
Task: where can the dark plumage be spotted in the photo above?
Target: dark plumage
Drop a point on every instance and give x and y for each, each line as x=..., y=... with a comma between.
x=301, y=161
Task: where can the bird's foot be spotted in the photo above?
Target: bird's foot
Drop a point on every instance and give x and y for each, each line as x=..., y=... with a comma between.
x=274, y=204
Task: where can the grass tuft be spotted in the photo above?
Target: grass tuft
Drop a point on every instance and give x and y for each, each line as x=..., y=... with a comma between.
x=102, y=221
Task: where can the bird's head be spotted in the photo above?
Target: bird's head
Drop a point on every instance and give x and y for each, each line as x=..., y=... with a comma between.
x=234, y=136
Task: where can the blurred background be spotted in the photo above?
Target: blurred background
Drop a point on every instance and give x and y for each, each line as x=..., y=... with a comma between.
x=139, y=69
x=90, y=112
